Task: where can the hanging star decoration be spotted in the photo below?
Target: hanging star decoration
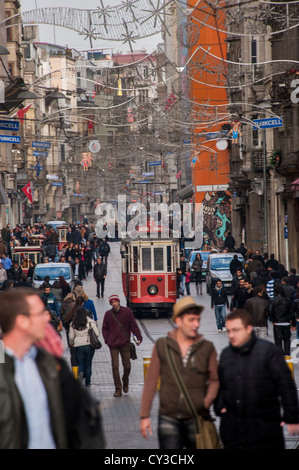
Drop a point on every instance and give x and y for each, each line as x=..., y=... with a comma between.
x=104, y=13
x=90, y=34
x=156, y=12
x=129, y=38
x=129, y=5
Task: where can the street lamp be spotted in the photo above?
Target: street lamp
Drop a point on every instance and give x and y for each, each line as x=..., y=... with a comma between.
x=265, y=105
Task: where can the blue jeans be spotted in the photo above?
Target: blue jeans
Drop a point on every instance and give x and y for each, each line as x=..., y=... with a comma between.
x=176, y=433
x=84, y=355
x=220, y=314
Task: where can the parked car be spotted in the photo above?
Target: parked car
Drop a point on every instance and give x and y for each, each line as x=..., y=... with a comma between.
x=53, y=270
x=218, y=268
x=204, y=256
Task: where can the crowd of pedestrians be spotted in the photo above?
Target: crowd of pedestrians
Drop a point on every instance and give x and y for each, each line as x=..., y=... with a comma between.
x=63, y=302
x=270, y=293
x=250, y=386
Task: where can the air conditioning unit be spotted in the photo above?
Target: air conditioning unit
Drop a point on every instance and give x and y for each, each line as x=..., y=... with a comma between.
x=238, y=202
x=258, y=186
x=9, y=181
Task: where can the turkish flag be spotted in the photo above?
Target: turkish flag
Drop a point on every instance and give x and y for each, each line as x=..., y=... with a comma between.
x=21, y=113
x=28, y=191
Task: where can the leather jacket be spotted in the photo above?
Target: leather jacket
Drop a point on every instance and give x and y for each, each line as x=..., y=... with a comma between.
x=281, y=311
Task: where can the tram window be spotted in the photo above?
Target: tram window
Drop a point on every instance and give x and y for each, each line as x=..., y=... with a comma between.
x=146, y=259
x=158, y=259
x=16, y=257
x=135, y=259
x=169, y=259
x=32, y=256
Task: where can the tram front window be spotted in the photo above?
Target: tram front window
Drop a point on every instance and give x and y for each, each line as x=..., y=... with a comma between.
x=158, y=259
x=146, y=259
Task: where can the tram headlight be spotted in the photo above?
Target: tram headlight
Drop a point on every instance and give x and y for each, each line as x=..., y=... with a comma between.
x=152, y=289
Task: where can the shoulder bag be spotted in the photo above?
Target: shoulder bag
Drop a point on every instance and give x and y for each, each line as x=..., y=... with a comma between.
x=133, y=354
x=95, y=343
x=206, y=435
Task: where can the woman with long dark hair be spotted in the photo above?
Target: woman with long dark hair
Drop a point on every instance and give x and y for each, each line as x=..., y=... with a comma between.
x=197, y=267
x=79, y=339
x=64, y=287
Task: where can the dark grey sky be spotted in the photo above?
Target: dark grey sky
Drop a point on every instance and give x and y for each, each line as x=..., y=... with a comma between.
x=64, y=36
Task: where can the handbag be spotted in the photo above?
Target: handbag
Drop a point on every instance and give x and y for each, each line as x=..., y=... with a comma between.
x=206, y=436
x=95, y=343
x=133, y=354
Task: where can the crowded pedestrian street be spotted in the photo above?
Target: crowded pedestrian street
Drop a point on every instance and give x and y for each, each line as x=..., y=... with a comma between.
x=121, y=415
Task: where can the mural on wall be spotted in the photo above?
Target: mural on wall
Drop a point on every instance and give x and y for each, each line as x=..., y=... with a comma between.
x=216, y=219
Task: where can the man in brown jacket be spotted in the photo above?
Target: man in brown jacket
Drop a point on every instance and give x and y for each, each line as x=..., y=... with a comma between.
x=196, y=360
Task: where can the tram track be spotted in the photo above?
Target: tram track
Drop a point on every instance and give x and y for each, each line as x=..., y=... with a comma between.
x=146, y=329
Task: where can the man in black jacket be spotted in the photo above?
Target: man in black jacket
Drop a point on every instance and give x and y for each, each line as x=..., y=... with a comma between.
x=230, y=242
x=219, y=300
x=283, y=319
x=258, y=308
x=99, y=274
x=78, y=268
x=255, y=382
x=235, y=264
x=42, y=404
x=104, y=250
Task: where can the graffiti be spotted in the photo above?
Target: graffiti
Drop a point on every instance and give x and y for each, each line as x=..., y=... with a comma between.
x=216, y=219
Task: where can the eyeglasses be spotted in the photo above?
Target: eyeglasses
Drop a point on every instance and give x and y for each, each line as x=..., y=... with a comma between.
x=235, y=330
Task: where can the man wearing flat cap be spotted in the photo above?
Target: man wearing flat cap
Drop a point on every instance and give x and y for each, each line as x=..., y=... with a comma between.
x=196, y=360
x=118, y=324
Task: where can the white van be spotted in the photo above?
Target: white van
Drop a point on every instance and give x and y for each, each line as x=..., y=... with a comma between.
x=218, y=268
x=53, y=270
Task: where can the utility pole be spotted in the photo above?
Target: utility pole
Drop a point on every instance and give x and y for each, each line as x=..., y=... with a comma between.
x=265, y=193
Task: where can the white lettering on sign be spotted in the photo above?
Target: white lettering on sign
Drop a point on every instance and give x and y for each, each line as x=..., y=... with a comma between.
x=295, y=93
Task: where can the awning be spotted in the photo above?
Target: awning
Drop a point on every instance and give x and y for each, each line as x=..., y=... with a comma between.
x=3, y=198
x=11, y=93
x=295, y=185
x=186, y=192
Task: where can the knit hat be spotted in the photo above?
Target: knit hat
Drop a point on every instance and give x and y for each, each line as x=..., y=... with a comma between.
x=185, y=304
x=114, y=297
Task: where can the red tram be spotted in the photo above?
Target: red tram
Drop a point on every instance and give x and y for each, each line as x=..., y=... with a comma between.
x=149, y=275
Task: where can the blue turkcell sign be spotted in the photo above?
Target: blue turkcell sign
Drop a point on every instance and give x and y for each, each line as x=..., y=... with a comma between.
x=42, y=145
x=155, y=163
x=57, y=184
x=11, y=139
x=143, y=181
x=268, y=123
x=9, y=125
x=40, y=154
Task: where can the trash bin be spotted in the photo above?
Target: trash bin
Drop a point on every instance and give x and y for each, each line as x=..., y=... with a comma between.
x=146, y=363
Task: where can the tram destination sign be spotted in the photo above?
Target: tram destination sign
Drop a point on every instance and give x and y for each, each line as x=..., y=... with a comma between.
x=268, y=123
